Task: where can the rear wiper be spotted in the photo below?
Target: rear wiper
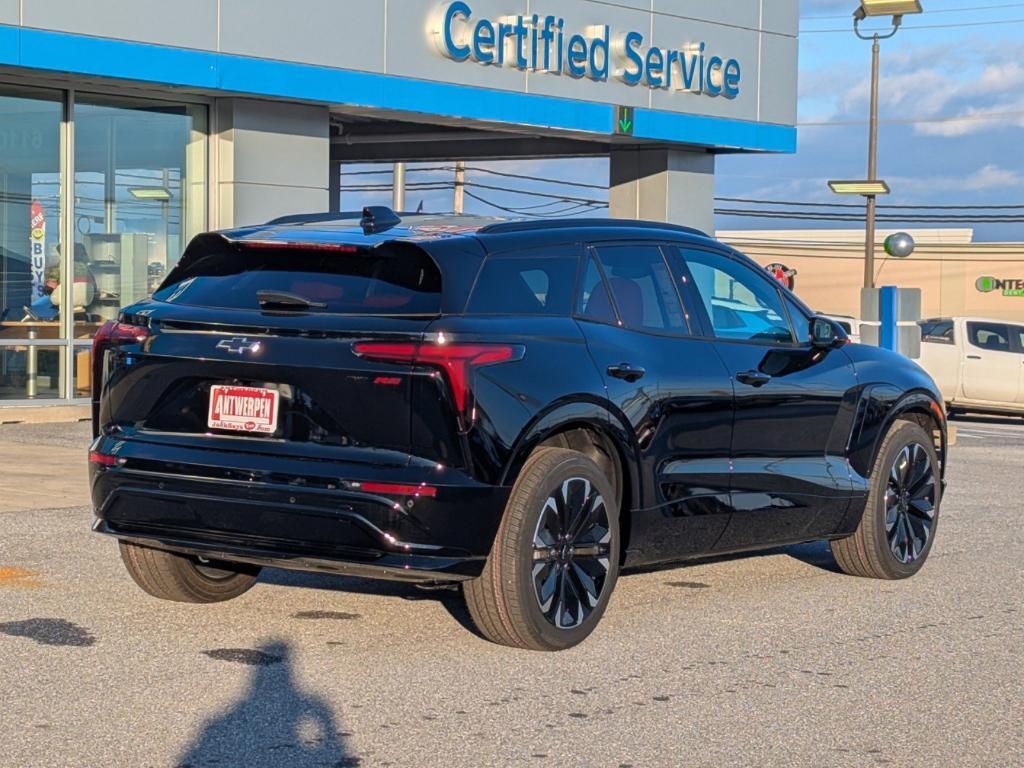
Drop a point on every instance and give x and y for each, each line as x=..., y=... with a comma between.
x=284, y=300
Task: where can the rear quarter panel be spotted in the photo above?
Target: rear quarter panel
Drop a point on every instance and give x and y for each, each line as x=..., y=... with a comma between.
x=556, y=369
x=891, y=385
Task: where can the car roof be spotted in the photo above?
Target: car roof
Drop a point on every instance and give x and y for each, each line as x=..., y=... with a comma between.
x=346, y=228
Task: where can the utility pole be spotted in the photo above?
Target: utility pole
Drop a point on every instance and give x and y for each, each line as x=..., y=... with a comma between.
x=398, y=188
x=460, y=186
x=869, y=244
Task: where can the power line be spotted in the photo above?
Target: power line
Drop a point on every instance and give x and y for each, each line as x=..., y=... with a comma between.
x=888, y=217
x=525, y=177
x=930, y=11
x=794, y=203
x=915, y=120
x=573, y=210
x=918, y=26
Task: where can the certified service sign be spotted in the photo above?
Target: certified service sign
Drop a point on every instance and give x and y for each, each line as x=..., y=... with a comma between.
x=987, y=284
x=544, y=43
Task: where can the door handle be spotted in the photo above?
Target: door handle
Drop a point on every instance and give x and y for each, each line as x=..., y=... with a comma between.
x=974, y=357
x=626, y=371
x=753, y=378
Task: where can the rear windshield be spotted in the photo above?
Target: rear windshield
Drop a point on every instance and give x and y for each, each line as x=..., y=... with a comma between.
x=394, y=279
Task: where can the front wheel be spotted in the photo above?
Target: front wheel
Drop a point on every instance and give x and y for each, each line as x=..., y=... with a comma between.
x=896, y=532
x=184, y=578
x=555, y=559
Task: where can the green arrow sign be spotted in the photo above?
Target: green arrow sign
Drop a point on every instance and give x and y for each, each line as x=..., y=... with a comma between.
x=624, y=121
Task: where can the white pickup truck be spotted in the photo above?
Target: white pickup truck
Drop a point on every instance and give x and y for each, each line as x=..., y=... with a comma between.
x=978, y=364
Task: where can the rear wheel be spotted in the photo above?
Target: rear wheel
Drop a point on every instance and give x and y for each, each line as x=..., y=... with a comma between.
x=555, y=559
x=185, y=578
x=896, y=532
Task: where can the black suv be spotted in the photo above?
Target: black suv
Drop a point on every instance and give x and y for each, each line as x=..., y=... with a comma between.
x=520, y=407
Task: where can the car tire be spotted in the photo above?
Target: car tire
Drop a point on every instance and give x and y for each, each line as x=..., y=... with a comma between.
x=898, y=527
x=549, y=576
x=184, y=579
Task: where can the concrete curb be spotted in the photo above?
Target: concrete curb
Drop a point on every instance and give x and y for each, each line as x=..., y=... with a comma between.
x=43, y=414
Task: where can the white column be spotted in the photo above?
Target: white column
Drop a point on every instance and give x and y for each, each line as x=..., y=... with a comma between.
x=668, y=185
x=272, y=159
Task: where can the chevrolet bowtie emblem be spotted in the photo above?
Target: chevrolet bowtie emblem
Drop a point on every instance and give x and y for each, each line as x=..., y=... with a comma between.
x=239, y=345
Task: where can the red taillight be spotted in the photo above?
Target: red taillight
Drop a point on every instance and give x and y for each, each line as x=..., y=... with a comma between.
x=109, y=334
x=103, y=459
x=113, y=333
x=399, y=489
x=457, y=360
x=291, y=245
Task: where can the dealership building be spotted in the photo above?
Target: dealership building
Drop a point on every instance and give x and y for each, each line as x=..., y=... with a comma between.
x=128, y=126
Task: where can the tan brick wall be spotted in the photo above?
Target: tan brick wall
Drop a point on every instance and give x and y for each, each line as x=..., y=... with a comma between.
x=830, y=275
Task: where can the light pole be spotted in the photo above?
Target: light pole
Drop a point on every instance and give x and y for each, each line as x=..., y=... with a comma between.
x=872, y=186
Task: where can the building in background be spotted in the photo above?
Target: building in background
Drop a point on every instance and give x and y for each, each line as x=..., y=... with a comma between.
x=128, y=126
x=956, y=275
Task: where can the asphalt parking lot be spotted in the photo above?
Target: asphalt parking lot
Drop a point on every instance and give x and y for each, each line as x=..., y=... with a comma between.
x=769, y=659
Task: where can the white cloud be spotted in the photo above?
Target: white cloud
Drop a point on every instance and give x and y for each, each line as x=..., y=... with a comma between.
x=988, y=178
x=974, y=83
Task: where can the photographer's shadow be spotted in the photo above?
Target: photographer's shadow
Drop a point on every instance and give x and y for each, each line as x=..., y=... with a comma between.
x=273, y=724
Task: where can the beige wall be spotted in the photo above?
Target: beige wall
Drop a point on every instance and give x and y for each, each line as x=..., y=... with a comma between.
x=830, y=274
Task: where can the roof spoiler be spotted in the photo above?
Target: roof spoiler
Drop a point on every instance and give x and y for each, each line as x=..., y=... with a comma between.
x=373, y=218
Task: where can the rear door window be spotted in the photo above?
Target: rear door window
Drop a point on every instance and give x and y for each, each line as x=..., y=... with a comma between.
x=937, y=331
x=394, y=279
x=526, y=283
x=642, y=288
x=991, y=336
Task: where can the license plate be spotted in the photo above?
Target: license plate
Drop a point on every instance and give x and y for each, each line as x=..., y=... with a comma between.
x=243, y=409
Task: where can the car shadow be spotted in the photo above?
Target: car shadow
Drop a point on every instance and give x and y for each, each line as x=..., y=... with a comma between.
x=813, y=553
x=273, y=723
x=450, y=597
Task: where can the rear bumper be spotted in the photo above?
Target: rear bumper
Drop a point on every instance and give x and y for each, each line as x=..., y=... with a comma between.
x=301, y=514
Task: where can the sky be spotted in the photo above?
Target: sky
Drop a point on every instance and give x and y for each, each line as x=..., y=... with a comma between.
x=951, y=126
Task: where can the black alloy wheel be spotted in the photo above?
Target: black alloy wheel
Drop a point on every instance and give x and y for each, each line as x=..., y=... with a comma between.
x=555, y=559
x=571, y=553
x=897, y=529
x=910, y=503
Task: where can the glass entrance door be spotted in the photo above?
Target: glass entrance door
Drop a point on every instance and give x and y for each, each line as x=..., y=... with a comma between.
x=30, y=244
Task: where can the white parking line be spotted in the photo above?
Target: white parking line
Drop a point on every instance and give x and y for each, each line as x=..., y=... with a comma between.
x=979, y=435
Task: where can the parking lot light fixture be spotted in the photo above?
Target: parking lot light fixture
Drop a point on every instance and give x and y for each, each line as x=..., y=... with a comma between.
x=864, y=188
x=888, y=8
x=896, y=9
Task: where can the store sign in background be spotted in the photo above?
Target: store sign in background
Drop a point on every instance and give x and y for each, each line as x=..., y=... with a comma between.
x=543, y=44
x=37, y=248
x=1008, y=287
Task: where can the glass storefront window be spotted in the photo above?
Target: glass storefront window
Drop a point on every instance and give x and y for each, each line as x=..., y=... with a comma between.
x=139, y=188
x=140, y=195
x=32, y=372
x=30, y=246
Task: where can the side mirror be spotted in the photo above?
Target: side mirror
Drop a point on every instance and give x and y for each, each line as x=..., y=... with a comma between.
x=826, y=334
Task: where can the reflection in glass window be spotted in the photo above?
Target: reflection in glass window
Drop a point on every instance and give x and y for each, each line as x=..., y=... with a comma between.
x=594, y=303
x=993, y=336
x=30, y=247
x=140, y=172
x=740, y=303
x=938, y=331
x=525, y=284
x=642, y=287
